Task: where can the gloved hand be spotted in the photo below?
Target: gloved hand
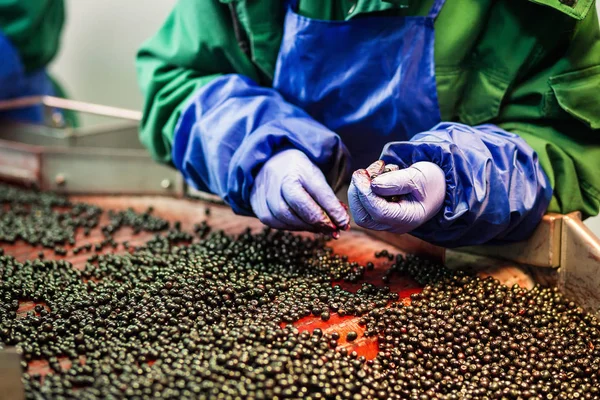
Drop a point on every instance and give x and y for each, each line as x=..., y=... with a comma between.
x=291, y=193
x=421, y=187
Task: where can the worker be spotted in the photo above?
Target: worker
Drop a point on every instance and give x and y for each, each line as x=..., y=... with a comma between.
x=489, y=109
x=29, y=37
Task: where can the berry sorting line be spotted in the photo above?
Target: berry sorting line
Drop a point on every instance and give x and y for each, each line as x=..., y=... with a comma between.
x=86, y=247
x=220, y=314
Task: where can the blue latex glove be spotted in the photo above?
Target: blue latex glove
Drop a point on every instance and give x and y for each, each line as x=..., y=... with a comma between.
x=421, y=189
x=232, y=127
x=496, y=190
x=291, y=193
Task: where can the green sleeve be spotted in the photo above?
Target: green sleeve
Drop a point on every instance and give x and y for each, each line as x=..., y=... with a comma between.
x=34, y=28
x=556, y=109
x=195, y=45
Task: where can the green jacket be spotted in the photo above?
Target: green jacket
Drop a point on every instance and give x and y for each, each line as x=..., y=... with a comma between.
x=34, y=28
x=530, y=67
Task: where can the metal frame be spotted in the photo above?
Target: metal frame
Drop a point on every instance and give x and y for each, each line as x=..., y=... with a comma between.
x=106, y=159
x=11, y=386
x=542, y=249
x=579, y=272
x=72, y=105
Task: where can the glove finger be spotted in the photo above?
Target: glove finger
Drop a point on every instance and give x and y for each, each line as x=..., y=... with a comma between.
x=376, y=168
x=258, y=202
x=321, y=192
x=272, y=222
x=400, y=217
x=296, y=196
x=282, y=212
x=359, y=204
x=360, y=215
x=396, y=183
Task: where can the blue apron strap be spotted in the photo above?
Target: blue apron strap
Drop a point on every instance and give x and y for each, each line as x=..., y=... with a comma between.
x=436, y=8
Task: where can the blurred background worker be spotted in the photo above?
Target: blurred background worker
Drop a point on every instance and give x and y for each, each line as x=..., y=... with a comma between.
x=29, y=38
x=490, y=110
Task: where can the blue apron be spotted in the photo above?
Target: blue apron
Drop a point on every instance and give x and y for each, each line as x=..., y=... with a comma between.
x=371, y=79
x=14, y=83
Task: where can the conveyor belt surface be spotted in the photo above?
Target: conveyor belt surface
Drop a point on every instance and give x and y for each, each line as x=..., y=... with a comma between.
x=460, y=336
x=355, y=244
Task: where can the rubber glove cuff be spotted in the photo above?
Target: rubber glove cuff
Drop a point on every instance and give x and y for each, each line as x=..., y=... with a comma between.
x=232, y=126
x=496, y=190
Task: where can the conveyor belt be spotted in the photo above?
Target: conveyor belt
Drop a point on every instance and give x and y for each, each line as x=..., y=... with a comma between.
x=355, y=244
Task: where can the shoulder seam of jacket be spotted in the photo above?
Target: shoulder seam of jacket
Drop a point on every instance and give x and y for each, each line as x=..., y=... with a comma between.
x=577, y=9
